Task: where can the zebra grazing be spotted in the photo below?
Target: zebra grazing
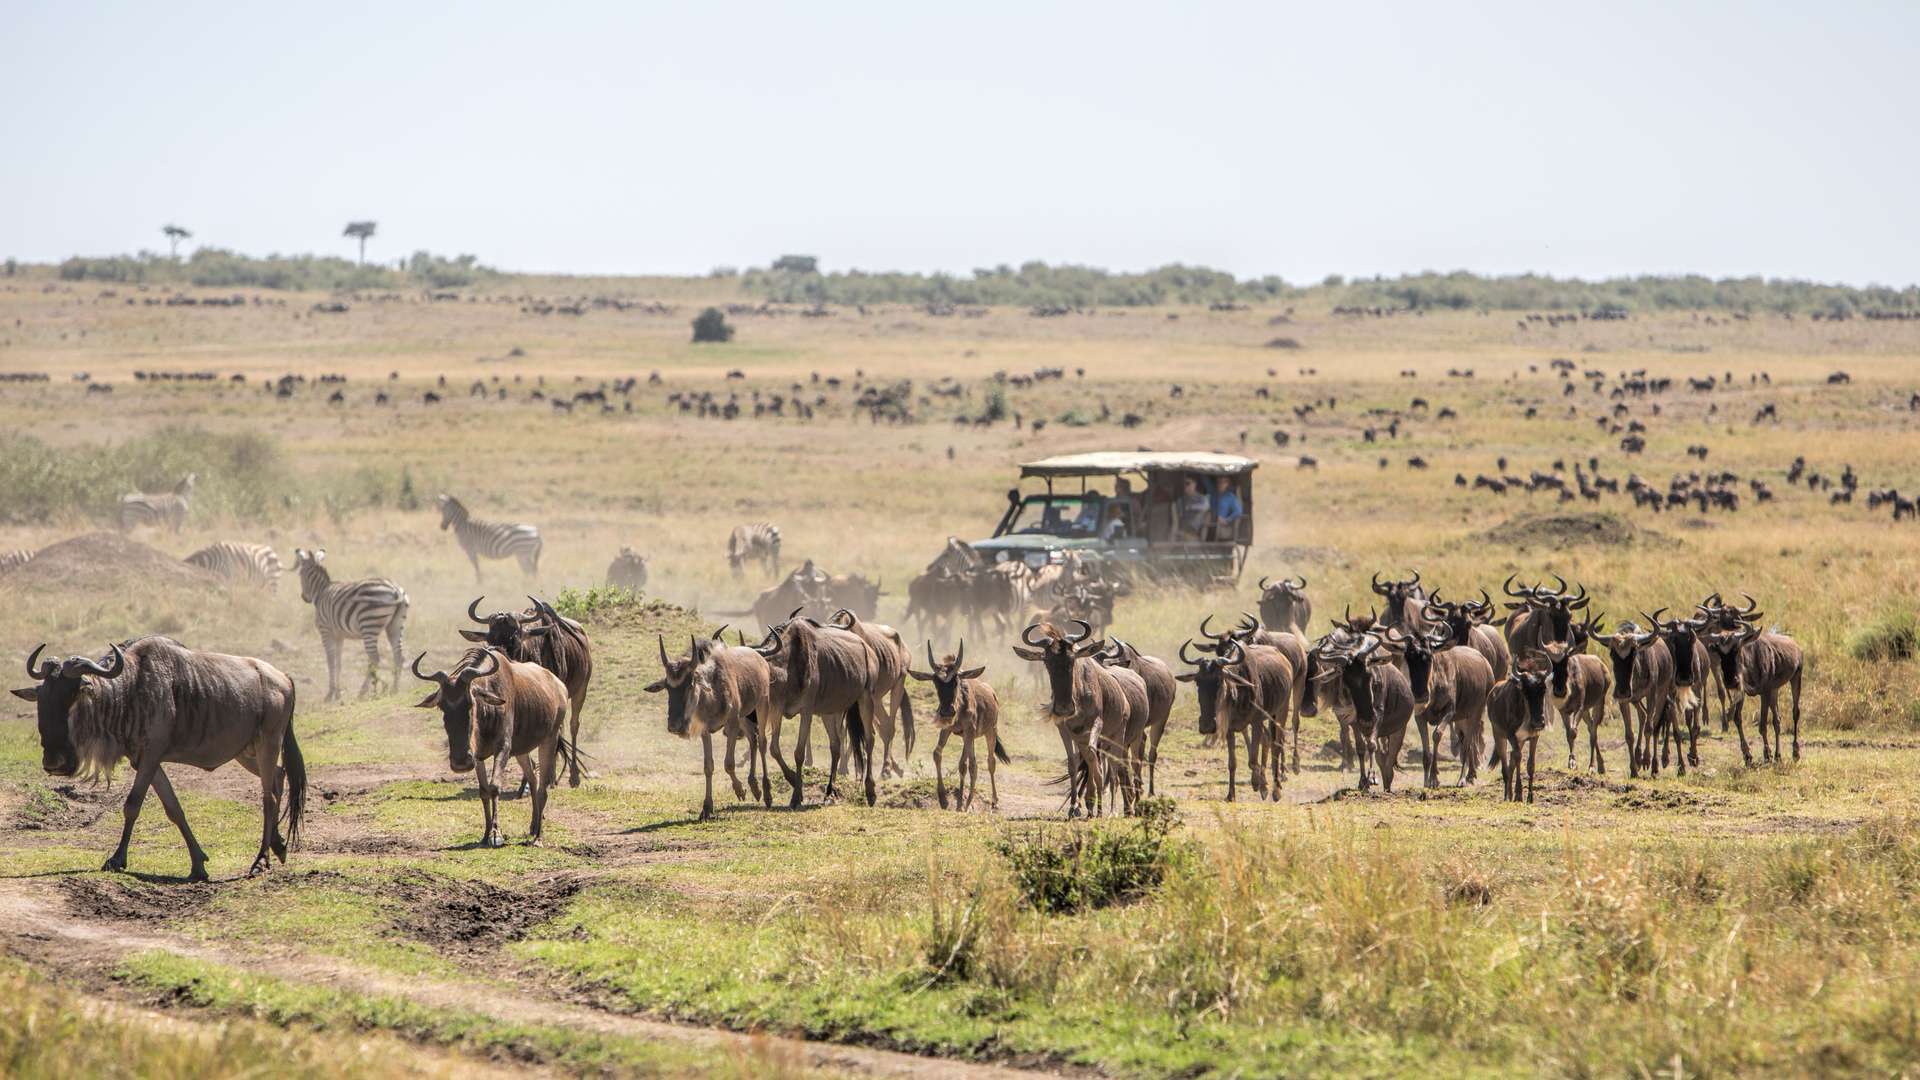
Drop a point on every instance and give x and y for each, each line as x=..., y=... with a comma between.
x=138, y=509
x=760, y=540
x=492, y=539
x=359, y=609
x=254, y=563
x=15, y=559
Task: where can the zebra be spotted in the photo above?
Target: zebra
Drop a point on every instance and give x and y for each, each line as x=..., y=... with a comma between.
x=759, y=540
x=15, y=559
x=359, y=609
x=255, y=563
x=494, y=540
x=139, y=509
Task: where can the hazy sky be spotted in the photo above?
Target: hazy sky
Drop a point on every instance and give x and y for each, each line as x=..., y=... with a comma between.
x=1778, y=138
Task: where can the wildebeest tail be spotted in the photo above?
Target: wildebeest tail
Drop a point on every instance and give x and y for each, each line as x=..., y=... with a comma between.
x=296, y=766
x=857, y=736
x=1000, y=751
x=906, y=720
x=566, y=754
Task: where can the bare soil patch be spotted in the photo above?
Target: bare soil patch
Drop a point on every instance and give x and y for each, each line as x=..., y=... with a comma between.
x=105, y=559
x=468, y=916
x=1561, y=530
x=133, y=900
x=65, y=807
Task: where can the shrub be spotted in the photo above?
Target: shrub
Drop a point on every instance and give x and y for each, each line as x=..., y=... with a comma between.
x=1890, y=635
x=584, y=604
x=995, y=406
x=711, y=326
x=1093, y=866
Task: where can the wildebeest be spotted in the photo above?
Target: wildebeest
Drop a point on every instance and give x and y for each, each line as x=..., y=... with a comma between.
x=1542, y=615
x=717, y=687
x=803, y=591
x=969, y=708
x=155, y=701
x=1642, y=683
x=1406, y=603
x=504, y=709
x=1086, y=704
x=826, y=670
x=1378, y=694
x=1284, y=604
x=1517, y=714
x=1759, y=664
x=628, y=570
x=543, y=636
x=1450, y=683
x=1244, y=692
x=1579, y=692
x=1251, y=631
x=1159, y=681
x=1467, y=622
x=895, y=707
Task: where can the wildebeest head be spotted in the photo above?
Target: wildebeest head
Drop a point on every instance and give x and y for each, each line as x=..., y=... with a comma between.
x=62, y=684
x=1348, y=663
x=1459, y=618
x=1623, y=645
x=1397, y=593
x=1418, y=650
x=1214, y=678
x=459, y=701
x=1554, y=605
x=1680, y=636
x=1531, y=676
x=677, y=680
x=1284, y=603
x=1057, y=650
x=1560, y=662
x=1357, y=624
x=504, y=629
x=946, y=675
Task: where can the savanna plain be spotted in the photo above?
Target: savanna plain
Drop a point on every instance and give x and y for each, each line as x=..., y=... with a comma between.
x=1735, y=920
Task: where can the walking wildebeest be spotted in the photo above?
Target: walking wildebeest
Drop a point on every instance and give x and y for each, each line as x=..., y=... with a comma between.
x=717, y=687
x=507, y=709
x=969, y=708
x=156, y=701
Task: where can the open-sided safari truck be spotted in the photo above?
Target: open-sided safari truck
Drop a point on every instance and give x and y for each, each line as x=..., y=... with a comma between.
x=1134, y=508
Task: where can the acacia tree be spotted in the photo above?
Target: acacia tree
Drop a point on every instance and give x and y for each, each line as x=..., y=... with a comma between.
x=361, y=231
x=175, y=234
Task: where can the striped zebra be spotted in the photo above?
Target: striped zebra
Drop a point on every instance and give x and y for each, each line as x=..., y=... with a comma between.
x=254, y=563
x=492, y=539
x=759, y=540
x=171, y=509
x=351, y=609
x=15, y=559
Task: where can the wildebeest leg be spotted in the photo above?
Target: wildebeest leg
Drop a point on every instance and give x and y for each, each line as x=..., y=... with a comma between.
x=1346, y=742
x=1696, y=719
x=790, y=772
x=939, y=775
x=331, y=646
x=142, y=779
x=489, y=802
x=733, y=762
x=706, y=755
x=1596, y=760
x=1795, y=686
x=968, y=768
x=1389, y=759
x=1429, y=756
x=993, y=777
x=1732, y=711
x=862, y=713
x=1567, y=719
x=1626, y=730
x=371, y=642
x=269, y=806
x=1232, y=763
x=573, y=739
x=833, y=755
x=542, y=781
x=1533, y=749
x=1153, y=756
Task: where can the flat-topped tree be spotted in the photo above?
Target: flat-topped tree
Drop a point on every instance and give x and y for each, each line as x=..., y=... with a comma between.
x=361, y=231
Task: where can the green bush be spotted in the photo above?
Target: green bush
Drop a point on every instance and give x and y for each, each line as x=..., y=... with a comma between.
x=583, y=604
x=1087, y=867
x=711, y=326
x=212, y=267
x=1893, y=634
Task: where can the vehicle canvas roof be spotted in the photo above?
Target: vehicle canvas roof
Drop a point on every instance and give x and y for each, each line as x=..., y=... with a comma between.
x=1106, y=462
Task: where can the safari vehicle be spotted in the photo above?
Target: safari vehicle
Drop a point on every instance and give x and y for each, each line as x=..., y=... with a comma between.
x=1125, y=507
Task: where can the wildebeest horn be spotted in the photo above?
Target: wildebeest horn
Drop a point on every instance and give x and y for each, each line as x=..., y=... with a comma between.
x=1239, y=653
x=1302, y=581
x=473, y=673
x=1579, y=601
x=1751, y=610
x=1414, y=580
x=92, y=666
x=1204, y=632
x=960, y=657
x=1561, y=589
x=1654, y=619
x=795, y=613
x=722, y=630
x=1184, y=658
x=46, y=670
x=932, y=664
x=1263, y=583
x=1026, y=636
x=474, y=608
x=663, y=650
x=1507, y=588
x=1377, y=587
x=1252, y=622
x=1086, y=631
x=835, y=617
x=1372, y=642
x=437, y=677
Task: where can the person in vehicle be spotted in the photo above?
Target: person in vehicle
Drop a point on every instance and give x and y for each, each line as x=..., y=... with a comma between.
x=1116, y=523
x=1226, y=508
x=1193, y=507
x=1088, y=520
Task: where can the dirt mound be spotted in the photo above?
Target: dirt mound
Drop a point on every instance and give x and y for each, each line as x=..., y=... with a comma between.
x=123, y=899
x=913, y=795
x=105, y=558
x=1564, y=530
x=64, y=807
x=451, y=913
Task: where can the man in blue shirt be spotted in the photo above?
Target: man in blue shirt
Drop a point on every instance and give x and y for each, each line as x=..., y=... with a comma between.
x=1226, y=508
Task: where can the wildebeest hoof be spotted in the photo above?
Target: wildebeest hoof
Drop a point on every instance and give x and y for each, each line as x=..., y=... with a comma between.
x=493, y=840
x=198, y=875
x=261, y=864
x=115, y=863
x=739, y=792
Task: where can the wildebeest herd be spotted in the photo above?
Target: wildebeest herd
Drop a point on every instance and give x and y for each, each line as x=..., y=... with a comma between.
x=1471, y=681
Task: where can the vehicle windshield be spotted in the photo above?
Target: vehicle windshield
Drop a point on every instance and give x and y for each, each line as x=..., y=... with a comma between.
x=1059, y=515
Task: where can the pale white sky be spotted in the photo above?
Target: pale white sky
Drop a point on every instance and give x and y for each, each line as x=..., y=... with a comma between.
x=1767, y=137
